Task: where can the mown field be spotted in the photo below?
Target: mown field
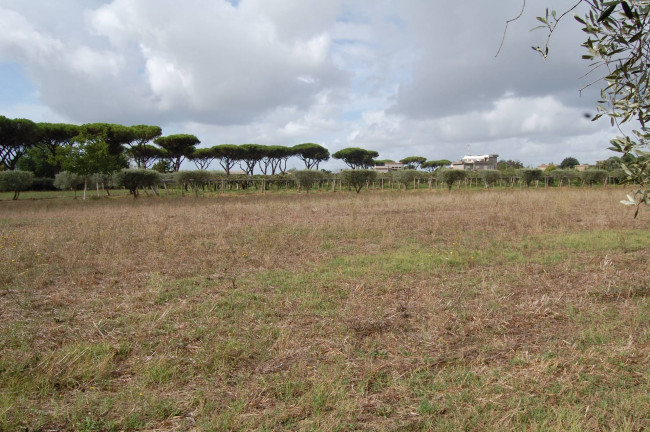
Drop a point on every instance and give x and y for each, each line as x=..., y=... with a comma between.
x=420, y=310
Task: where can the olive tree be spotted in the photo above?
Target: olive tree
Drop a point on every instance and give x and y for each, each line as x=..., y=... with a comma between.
x=529, y=175
x=618, y=39
x=405, y=177
x=592, y=176
x=15, y=181
x=562, y=175
x=134, y=179
x=489, y=177
x=307, y=178
x=618, y=45
x=358, y=178
x=102, y=179
x=450, y=176
x=617, y=175
x=195, y=180
x=66, y=180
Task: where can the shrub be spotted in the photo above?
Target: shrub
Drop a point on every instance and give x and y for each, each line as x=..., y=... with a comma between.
x=564, y=175
x=592, y=176
x=101, y=178
x=450, y=176
x=66, y=180
x=530, y=175
x=15, y=181
x=307, y=178
x=358, y=178
x=133, y=179
x=405, y=177
x=618, y=175
x=489, y=177
x=196, y=179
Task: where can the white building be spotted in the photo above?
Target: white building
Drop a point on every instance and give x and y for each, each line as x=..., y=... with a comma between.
x=389, y=166
x=476, y=163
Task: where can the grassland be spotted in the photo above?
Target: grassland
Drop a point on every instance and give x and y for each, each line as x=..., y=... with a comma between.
x=424, y=310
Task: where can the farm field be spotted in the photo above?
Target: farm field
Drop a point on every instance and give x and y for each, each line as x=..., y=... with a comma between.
x=421, y=310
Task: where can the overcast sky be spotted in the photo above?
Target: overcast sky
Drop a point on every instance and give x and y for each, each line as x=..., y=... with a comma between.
x=404, y=78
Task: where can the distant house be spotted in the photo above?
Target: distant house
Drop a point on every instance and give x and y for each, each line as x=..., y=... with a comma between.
x=543, y=166
x=582, y=167
x=476, y=163
x=389, y=166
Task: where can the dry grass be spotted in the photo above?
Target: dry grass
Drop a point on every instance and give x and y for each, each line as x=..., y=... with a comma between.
x=419, y=311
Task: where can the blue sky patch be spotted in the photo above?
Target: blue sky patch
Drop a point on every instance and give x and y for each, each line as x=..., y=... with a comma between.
x=16, y=86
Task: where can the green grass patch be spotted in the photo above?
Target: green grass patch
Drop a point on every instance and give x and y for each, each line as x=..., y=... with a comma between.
x=599, y=240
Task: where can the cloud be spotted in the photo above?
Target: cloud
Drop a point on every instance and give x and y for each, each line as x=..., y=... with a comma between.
x=524, y=128
x=457, y=69
x=23, y=42
x=150, y=60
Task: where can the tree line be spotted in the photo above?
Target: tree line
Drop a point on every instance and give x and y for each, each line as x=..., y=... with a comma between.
x=46, y=149
x=94, y=152
x=49, y=148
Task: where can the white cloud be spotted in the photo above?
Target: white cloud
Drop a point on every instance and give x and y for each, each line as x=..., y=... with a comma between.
x=20, y=40
x=95, y=64
x=515, y=116
x=294, y=19
x=207, y=61
x=457, y=70
x=529, y=129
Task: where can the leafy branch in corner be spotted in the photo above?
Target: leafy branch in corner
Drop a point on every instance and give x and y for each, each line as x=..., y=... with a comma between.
x=618, y=41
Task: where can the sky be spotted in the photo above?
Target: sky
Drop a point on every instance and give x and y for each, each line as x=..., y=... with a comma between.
x=407, y=78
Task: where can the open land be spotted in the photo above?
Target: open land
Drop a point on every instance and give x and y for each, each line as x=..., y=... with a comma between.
x=420, y=310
